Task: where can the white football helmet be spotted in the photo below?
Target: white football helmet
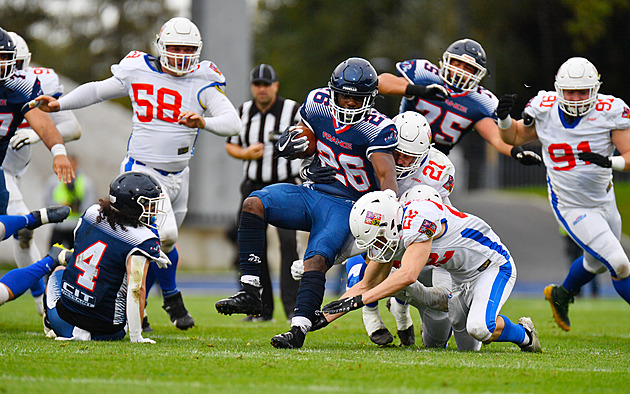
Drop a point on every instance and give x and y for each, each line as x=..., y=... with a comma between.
x=9, y=54
x=23, y=53
x=375, y=223
x=414, y=139
x=420, y=192
x=577, y=73
x=179, y=31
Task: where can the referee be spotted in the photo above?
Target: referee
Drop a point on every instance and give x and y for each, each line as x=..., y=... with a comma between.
x=264, y=118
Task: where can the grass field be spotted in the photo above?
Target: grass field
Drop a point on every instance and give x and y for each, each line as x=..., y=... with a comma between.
x=223, y=354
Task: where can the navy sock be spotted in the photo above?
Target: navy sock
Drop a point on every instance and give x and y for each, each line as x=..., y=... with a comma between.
x=251, y=243
x=167, y=277
x=577, y=276
x=623, y=288
x=514, y=333
x=21, y=279
x=14, y=223
x=310, y=294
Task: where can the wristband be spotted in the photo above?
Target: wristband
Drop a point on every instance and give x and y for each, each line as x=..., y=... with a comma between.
x=58, y=149
x=505, y=124
x=617, y=163
x=415, y=90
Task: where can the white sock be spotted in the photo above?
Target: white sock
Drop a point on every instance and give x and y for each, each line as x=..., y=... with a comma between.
x=372, y=319
x=401, y=314
x=302, y=322
x=4, y=294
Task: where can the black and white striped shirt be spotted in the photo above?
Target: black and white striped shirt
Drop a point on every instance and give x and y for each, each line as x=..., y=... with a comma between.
x=258, y=127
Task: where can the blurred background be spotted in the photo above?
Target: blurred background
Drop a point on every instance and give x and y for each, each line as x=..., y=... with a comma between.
x=525, y=41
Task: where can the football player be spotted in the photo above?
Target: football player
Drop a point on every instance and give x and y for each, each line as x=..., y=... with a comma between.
x=17, y=90
x=170, y=94
x=18, y=157
x=468, y=105
x=103, y=287
x=357, y=142
x=579, y=129
x=433, y=233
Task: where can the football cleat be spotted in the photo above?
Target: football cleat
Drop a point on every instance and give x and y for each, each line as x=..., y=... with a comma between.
x=403, y=319
x=534, y=343
x=320, y=321
x=293, y=339
x=146, y=327
x=559, y=298
x=246, y=301
x=174, y=306
x=60, y=255
x=407, y=337
x=53, y=214
x=382, y=337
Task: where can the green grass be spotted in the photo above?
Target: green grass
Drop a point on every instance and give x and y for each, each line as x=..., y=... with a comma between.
x=223, y=354
x=622, y=195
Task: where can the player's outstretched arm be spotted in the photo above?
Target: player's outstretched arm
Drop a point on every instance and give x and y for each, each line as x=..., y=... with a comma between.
x=513, y=132
x=137, y=267
x=45, y=103
x=385, y=170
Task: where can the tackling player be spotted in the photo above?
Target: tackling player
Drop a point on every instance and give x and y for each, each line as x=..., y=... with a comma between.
x=169, y=94
x=468, y=105
x=19, y=154
x=356, y=141
x=579, y=129
x=17, y=90
x=433, y=233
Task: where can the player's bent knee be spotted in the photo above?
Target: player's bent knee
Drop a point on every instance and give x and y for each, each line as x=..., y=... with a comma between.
x=619, y=266
x=478, y=329
x=254, y=205
x=315, y=263
x=623, y=271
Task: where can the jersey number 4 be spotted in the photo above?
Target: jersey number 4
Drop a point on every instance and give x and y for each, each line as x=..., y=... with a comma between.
x=88, y=261
x=169, y=103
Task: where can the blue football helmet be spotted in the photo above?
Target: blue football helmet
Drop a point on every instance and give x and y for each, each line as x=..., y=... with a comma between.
x=140, y=194
x=8, y=55
x=469, y=52
x=353, y=77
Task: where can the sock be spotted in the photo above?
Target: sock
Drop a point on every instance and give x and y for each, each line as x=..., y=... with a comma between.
x=14, y=223
x=514, y=333
x=623, y=288
x=21, y=279
x=167, y=277
x=24, y=258
x=4, y=294
x=251, y=243
x=577, y=277
x=310, y=294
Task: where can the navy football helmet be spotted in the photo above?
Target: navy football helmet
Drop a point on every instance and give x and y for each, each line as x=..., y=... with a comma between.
x=469, y=52
x=8, y=55
x=353, y=77
x=140, y=194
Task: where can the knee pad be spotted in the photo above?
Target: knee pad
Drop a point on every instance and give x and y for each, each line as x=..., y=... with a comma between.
x=478, y=329
x=24, y=237
x=168, y=239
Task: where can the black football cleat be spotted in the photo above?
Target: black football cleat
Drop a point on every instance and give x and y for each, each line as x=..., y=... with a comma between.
x=246, y=301
x=60, y=256
x=382, y=337
x=52, y=214
x=174, y=306
x=559, y=298
x=407, y=337
x=293, y=339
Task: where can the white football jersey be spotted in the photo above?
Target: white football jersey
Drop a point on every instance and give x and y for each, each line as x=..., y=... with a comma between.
x=158, y=99
x=16, y=161
x=572, y=181
x=436, y=171
x=467, y=247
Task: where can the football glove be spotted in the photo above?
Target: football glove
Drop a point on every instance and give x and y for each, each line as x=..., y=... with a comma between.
x=343, y=305
x=506, y=102
x=163, y=261
x=434, y=91
x=289, y=145
x=525, y=157
x=320, y=321
x=297, y=269
x=316, y=173
x=23, y=137
x=595, y=158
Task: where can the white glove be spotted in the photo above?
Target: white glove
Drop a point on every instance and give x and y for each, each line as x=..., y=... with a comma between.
x=297, y=269
x=141, y=339
x=162, y=261
x=23, y=137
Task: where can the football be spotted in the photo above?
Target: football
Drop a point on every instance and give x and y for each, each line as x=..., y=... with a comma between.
x=312, y=141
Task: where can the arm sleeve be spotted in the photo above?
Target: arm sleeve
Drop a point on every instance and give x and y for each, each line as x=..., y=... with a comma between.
x=223, y=120
x=134, y=284
x=67, y=124
x=92, y=93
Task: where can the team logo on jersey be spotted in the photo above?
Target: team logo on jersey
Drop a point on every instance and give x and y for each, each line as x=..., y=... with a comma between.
x=626, y=113
x=3, y=102
x=428, y=228
x=214, y=68
x=373, y=218
x=406, y=66
x=579, y=219
x=449, y=184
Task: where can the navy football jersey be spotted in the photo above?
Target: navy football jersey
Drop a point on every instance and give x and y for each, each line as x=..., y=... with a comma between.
x=451, y=119
x=347, y=148
x=94, y=285
x=15, y=94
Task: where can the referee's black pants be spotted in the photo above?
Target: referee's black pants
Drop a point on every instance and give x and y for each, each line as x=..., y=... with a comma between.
x=288, y=254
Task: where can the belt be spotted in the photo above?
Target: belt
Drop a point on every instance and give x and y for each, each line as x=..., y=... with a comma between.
x=133, y=161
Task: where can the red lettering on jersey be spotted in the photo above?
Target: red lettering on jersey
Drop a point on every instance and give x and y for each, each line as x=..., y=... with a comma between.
x=547, y=101
x=604, y=104
x=133, y=54
x=337, y=141
x=433, y=258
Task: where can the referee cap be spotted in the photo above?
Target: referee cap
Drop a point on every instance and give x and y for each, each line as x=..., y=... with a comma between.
x=263, y=73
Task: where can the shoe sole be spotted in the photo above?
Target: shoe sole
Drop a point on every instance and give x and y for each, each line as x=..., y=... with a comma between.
x=227, y=309
x=281, y=343
x=556, y=316
x=382, y=337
